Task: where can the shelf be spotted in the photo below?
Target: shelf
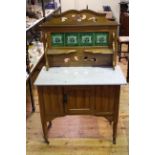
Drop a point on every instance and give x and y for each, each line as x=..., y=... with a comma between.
x=30, y=24
x=37, y=21
x=99, y=51
x=49, y=12
x=73, y=50
x=27, y=76
x=36, y=63
x=61, y=51
x=35, y=55
x=34, y=23
x=34, y=15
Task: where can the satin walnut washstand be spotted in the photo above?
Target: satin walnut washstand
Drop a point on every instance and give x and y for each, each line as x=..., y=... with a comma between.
x=80, y=75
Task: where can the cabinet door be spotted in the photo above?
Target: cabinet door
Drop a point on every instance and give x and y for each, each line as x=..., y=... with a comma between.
x=78, y=99
x=53, y=100
x=104, y=100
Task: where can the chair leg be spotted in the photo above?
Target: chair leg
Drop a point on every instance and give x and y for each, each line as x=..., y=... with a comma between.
x=119, y=48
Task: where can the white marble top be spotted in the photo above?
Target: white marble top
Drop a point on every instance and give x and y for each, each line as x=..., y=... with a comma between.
x=80, y=76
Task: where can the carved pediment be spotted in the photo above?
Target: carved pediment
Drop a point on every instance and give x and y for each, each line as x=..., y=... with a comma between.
x=79, y=18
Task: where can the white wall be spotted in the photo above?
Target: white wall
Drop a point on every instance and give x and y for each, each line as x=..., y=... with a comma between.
x=114, y=6
x=96, y=5
x=67, y=5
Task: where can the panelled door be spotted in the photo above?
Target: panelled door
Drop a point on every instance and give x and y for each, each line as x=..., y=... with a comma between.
x=78, y=99
x=104, y=100
x=53, y=99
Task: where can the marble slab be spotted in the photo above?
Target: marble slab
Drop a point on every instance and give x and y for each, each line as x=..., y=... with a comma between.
x=80, y=76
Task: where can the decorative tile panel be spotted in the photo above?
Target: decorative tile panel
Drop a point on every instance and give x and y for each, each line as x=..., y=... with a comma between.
x=80, y=39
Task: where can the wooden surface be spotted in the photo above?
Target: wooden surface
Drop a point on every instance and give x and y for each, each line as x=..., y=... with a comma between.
x=75, y=17
x=84, y=59
x=81, y=135
x=80, y=57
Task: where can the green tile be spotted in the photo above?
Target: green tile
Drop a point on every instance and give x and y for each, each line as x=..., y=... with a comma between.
x=86, y=39
x=57, y=39
x=71, y=39
x=101, y=38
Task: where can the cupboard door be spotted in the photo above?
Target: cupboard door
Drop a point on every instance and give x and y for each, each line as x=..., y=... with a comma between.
x=53, y=100
x=78, y=99
x=104, y=100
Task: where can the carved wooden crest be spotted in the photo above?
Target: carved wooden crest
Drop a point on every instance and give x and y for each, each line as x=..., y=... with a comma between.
x=79, y=18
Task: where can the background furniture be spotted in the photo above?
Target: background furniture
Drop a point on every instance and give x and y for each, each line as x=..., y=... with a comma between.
x=124, y=30
x=124, y=19
x=36, y=13
x=108, y=11
x=123, y=40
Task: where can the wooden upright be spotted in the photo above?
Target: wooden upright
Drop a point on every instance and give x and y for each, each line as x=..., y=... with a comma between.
x=73, y=41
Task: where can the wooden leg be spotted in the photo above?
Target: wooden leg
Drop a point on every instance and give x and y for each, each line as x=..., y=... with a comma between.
x=45, y=131
x=114, y=132
x=42, y=114
x=50, y=124
x=31, y=96
x=116, y=113
x=110, y=121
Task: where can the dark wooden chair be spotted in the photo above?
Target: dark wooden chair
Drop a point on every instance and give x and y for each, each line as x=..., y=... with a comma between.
x=123, y=40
